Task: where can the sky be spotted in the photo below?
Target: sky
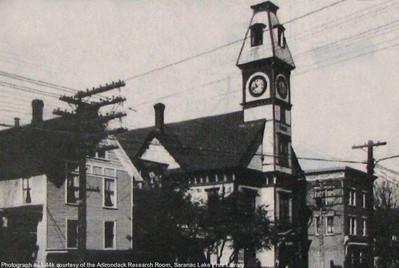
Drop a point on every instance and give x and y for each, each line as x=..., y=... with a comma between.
x=183, y=53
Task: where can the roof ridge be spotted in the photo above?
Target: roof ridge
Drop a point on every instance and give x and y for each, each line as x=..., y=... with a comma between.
x=188, y=120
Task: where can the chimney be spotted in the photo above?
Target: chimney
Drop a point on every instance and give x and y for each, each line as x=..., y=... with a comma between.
x=16, y=122
x=37, y=111
x=159, y=117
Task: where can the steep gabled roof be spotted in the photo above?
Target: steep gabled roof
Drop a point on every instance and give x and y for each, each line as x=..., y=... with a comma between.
x=39, y=148
x=214, y=142
x=28, y=150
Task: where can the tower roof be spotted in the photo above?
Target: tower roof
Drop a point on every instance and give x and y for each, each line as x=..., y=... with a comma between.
x=272, y=44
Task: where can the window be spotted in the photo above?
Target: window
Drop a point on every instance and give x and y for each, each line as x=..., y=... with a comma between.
x=288, y=117
x=250, y=198
x=109, y=190
x=109, y=172
x=26, y=191
x=72, y=188
x=97, y=170
x=364, y=196
x=329, y=196
x=281, y=36
x=101, y=154
x=364, y=227
x=284, y=207
x=257, y=34
x=109, y=234
x=324, y=196
x=317, y=225
x=282, y=115
x=330, y=225
x=362, y=260
x=213, y=197
x=283, y=150
x=352, y=225
x=109, y=193
x=318, y=197
x=352, y=197
x=72, y=233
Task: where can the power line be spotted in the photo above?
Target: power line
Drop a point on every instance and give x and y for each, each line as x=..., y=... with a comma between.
x=294, y=74
x=386, y=158
x=228, y=152
x=324, y=27
x=386, y=178
x=356, y=36
x=36, y=82
x=28, y=89
x=307, y=52
x=356, y=16
x=388, y=169
x=220, y=47
x=314, y=11
x=351, y=58
x=211, y=50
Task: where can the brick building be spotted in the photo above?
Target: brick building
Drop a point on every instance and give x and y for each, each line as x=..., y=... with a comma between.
x=342, y=204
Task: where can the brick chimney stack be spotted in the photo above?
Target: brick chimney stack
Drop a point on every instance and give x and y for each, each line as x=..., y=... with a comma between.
x=159, y=117
x=37, y=111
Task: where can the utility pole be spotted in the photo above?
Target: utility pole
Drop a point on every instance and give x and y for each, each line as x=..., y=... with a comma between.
x=320, y=205
x=91, y=129
x=370, y=159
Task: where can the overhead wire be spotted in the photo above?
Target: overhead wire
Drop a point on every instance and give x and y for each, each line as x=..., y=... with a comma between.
x=386, y=158
x=324, y=46
x=294, y=74
x=28, y=89
x=229, y=152
x=37, y=82
x=42, y=83
x=70, y=89
x=217, y=48
x=388, y=169
x=387, y=178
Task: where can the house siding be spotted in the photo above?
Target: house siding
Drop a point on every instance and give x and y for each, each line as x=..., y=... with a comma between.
x=97, y=214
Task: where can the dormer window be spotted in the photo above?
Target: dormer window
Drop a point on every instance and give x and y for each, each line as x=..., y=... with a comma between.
x=101, y=154
x=257, y=34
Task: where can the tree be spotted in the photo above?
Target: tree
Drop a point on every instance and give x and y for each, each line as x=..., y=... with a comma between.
x=168, y=226
x=162, y=214
x=386, y=221
x=234, y=222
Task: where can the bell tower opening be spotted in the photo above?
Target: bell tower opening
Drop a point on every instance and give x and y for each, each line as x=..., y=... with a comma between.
x=257, y=34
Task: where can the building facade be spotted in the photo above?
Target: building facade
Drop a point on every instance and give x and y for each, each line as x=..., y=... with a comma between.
x=340, y=231
x=245, y=150
x=39, y=195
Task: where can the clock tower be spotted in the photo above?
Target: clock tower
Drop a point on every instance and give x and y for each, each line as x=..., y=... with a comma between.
x=266, y=64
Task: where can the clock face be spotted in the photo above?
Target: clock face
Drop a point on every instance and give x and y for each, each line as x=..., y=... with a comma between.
x=257, y=86
x=282, y=86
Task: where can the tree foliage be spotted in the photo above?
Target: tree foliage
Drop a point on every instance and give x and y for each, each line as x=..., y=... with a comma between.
x=386, y=224
x=169, y=226
x=233, y=222
x=160, y=217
